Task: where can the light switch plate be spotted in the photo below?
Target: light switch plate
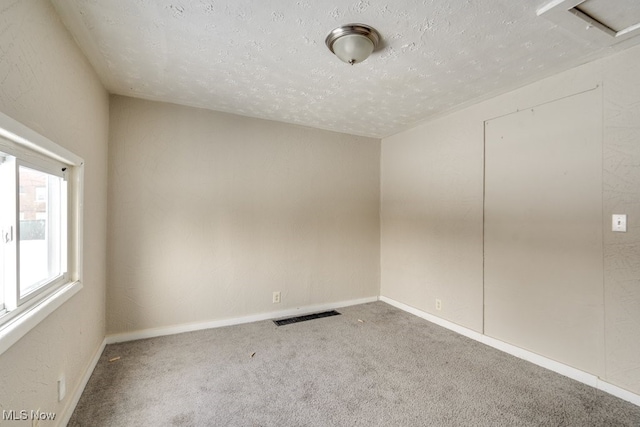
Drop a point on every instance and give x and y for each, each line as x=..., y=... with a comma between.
x=619, y=223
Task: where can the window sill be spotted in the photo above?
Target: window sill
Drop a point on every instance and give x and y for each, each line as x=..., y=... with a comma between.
x=16, y=328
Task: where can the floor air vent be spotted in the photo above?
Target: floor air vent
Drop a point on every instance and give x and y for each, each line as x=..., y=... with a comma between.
x=297, y=319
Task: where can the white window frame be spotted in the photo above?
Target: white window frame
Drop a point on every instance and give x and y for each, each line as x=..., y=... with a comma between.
x=27, y=145
x=54, y=168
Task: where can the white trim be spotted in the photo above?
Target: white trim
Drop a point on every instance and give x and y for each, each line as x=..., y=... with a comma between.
x=16, y=328
x=77, y=393
x=618, y=392
x=566, y=14
x=189, y=327
x=15, y=131
x=22, y=142
x=75, y=217
x=536, y=359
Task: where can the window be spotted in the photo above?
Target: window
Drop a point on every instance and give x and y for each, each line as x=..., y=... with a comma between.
x=40, y=228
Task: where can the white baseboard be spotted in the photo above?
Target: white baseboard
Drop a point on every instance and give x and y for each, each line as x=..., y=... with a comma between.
x=568, y=371
x=77, y=393
x=189, y=327
x=552, y=365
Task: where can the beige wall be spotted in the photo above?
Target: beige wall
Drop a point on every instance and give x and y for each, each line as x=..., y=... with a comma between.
x=49, y=86
x=209, y=213
x=431, y=234
x=621, y=167
x=543, y=230
x=432, y=208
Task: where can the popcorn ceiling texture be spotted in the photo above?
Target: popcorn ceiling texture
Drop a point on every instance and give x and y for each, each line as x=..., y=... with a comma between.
x=267, y=59
x=435, y=56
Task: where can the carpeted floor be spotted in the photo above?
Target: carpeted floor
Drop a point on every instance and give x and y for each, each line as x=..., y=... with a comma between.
x=372, y=366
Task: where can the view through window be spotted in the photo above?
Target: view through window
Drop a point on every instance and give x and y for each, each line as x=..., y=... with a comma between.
x=41, y=192
x=42, y=241
x=34, y=224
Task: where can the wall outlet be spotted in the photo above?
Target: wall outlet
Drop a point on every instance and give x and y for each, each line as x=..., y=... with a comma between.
x=62, y=388
x=276, y=297
x=438, y=304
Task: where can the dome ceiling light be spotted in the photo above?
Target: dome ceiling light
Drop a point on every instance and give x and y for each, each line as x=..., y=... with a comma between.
x=353, y=43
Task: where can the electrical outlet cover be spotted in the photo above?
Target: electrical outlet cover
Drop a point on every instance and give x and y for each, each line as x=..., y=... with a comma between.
x=619, y=223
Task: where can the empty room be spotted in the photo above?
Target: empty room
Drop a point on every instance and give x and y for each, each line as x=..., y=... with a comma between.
x=319, y=213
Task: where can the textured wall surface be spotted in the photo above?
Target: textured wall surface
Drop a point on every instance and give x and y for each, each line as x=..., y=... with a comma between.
x=543, y=230
x=209, y=213
x=432, y=203
x=47, y=84
x=431, y=241
x=419, y=171
x=622, y=196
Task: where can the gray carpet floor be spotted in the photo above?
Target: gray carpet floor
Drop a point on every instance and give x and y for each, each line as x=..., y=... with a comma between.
x=374, y=365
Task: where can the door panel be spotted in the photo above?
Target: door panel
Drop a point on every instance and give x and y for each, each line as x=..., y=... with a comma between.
x=543, y=230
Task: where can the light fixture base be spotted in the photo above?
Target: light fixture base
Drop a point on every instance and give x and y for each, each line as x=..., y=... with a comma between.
x=353, y=43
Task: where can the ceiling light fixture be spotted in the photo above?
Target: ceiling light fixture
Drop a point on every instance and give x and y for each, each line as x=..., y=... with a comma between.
x=353, y=43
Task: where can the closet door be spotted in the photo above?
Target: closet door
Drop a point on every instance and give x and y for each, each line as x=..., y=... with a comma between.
x=543, y=276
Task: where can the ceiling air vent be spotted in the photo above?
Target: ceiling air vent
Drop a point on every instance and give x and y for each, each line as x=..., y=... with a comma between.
x=606, y=22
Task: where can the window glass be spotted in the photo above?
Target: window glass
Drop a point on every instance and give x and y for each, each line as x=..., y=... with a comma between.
x=40, y=228
x=42, y=216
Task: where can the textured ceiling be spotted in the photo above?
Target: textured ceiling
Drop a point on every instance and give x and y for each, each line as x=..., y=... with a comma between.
x=267, y=58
